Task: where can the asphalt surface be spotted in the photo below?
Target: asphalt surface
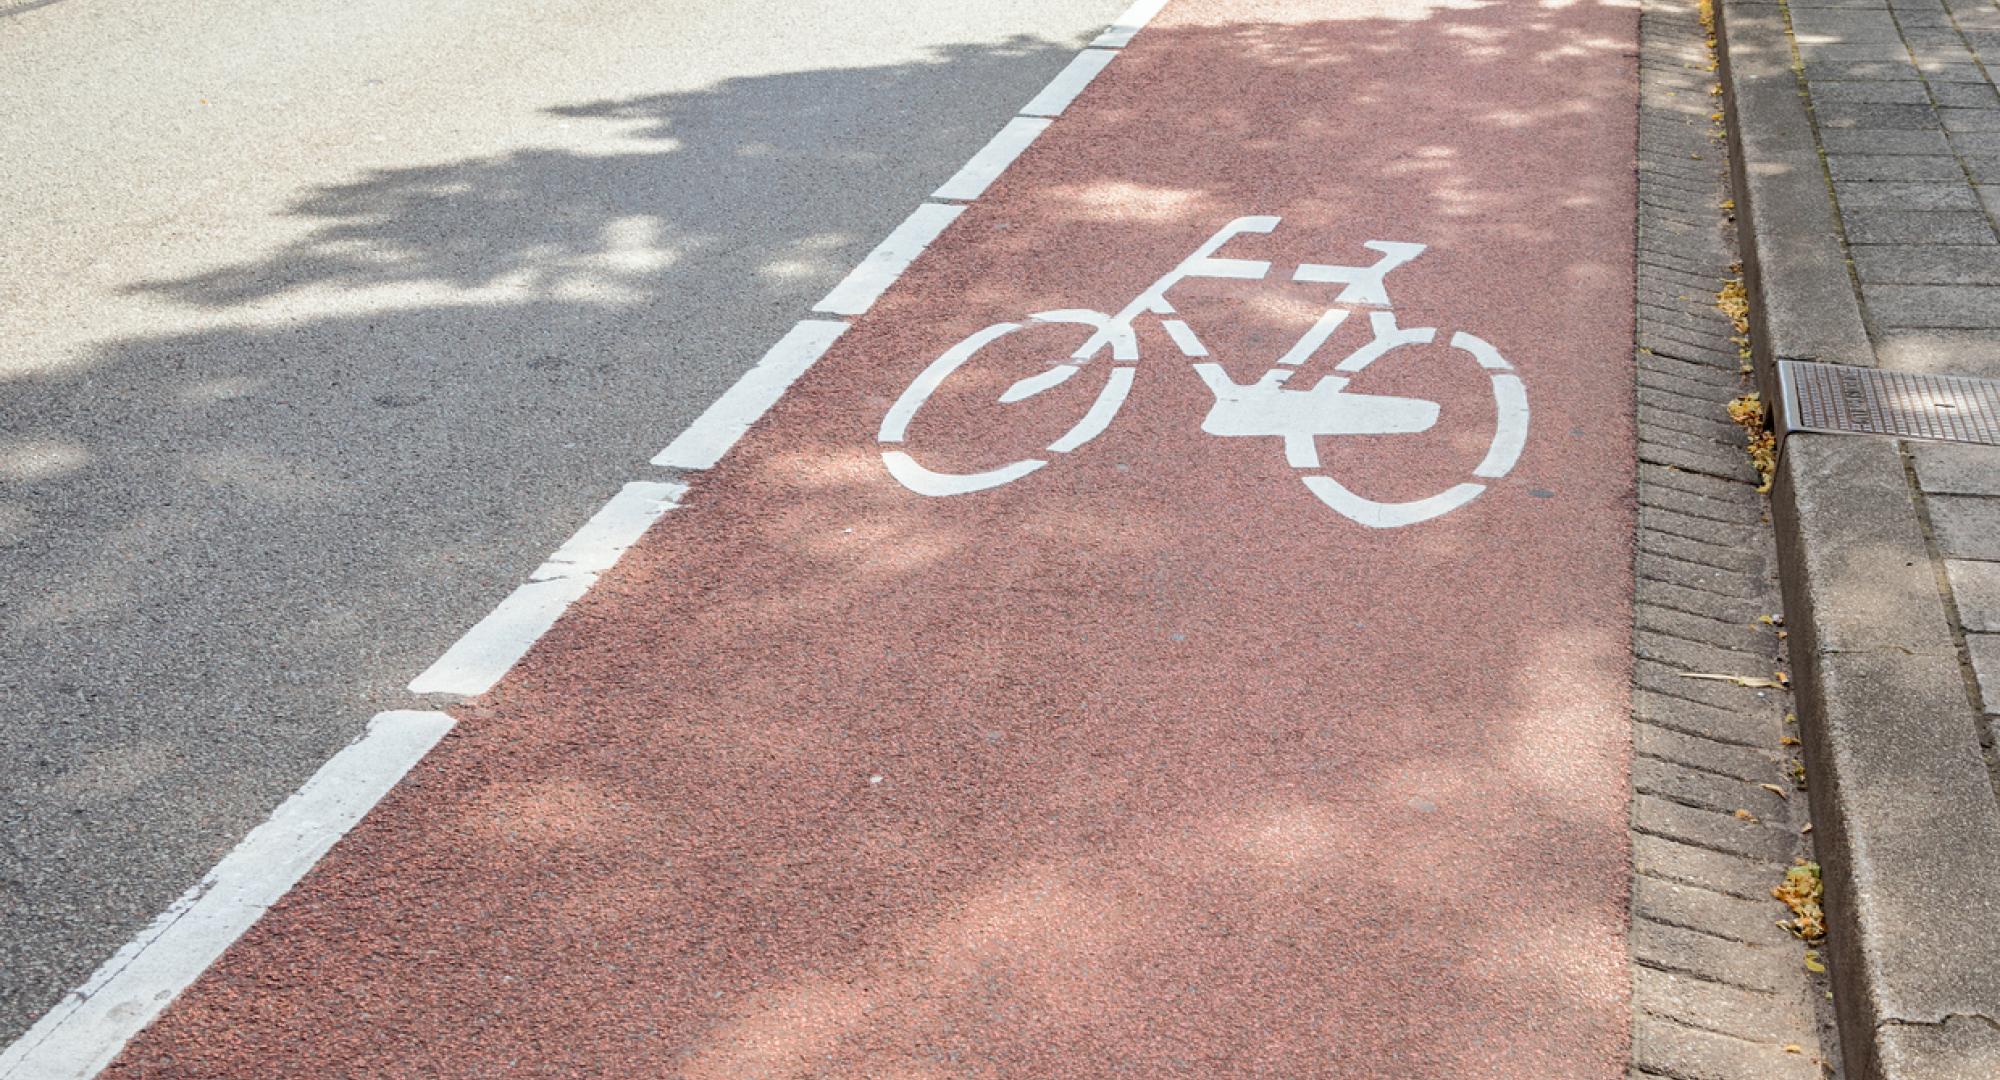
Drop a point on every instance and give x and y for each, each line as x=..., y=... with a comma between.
x=321, y=324
x=1148, y=763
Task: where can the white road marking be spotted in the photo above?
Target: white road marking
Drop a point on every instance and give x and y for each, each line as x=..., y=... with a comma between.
x=497, y=642
x=1056, y=96
x=1315, y=336
x=992, y=160
x=865, y=284
x=87, y=1029
x=1135, y=19
x=596, y=547
x=1184, y=338
x=84, y=1033
x=716, y=430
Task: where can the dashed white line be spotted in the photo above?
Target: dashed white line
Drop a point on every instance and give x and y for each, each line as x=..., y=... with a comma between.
x=497, y=642
x=596, y=547
x=1135, y=19
x=1056, y=96
x=89, y=1027
x=986, y=166
x=858, y=291
x=717, y=429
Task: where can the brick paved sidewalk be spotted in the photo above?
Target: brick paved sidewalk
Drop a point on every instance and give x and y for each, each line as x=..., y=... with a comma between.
x=1909, y=119
x=1868, y=179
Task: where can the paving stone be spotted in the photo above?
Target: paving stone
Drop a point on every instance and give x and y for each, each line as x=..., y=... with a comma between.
x=1735, y=511
x=1653, y=477
x=1942, y=264
x=1713, y=829
x=1934, y=54
x=1975, y=588
x=1959, y=1047
x=1717, y=369
x=1966, y=527
x=1742, y=635
x=1941, y=306
x=1709, y=709
x=1664, y=1048
x=1894, y=167
x=1916, y=227
x=1945, y=468
x=1959, y=119
x=1702, y=427
x=1941, y=352
x=1723, y=795
x=1838, y=141
x=1750, y=921
x=1965, y=95
x=1845, y=22
x=1984, y=649
x=1703, y=552
x=1672, y=948
x=1932, y=35
x=1851, y=114
x=1854, y=50
x=1746, y=1014
x=1894, y=195
x=1702, y=530
x=1983, y=168
x=1884, y=91
x=1911, y=19
x=1742, y=762
x=1975, y=142
x=1861, y=69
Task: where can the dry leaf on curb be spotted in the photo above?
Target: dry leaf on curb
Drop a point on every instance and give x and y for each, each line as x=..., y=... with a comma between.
x=1745, y=815
x=1775, y=790
x=1755, y=682
x=1801, y=891
x=1812, y=963
x=1794, y=1048
x=1789, y=740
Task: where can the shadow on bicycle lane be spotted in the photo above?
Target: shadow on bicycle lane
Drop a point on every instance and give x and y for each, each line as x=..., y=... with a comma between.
x=1148, y=763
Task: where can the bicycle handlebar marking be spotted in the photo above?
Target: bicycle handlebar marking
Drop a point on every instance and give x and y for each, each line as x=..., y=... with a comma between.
x=1266, y=408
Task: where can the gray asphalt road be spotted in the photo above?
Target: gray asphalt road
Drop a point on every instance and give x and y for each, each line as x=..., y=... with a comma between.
x=322, y=322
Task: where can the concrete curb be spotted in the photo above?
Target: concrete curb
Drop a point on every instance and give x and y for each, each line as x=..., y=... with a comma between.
x=1907, y=826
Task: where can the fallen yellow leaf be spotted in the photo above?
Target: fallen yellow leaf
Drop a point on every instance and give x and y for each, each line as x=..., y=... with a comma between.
x=1801, y=891
x=1755, y=682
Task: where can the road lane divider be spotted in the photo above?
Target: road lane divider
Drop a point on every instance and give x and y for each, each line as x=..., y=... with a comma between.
x=1063, y=89
x=497, y=642
x=858, y=291
x=971, y=181
x=723, y=422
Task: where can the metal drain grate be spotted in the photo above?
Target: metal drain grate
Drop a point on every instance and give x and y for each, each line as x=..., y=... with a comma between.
x=1852, y=400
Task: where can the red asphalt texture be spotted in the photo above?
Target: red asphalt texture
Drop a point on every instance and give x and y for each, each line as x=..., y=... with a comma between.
x=1147, y=765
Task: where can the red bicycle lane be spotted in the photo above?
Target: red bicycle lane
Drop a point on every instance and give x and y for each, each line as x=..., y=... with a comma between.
x=1147, y=763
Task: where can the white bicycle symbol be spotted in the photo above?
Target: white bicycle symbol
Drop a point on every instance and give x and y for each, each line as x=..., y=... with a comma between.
x=1264, y=408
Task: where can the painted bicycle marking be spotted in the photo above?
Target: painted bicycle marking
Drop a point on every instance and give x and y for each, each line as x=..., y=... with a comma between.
x=1266, y=408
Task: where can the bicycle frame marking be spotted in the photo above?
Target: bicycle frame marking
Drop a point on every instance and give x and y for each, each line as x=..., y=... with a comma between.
x=1265, y=408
